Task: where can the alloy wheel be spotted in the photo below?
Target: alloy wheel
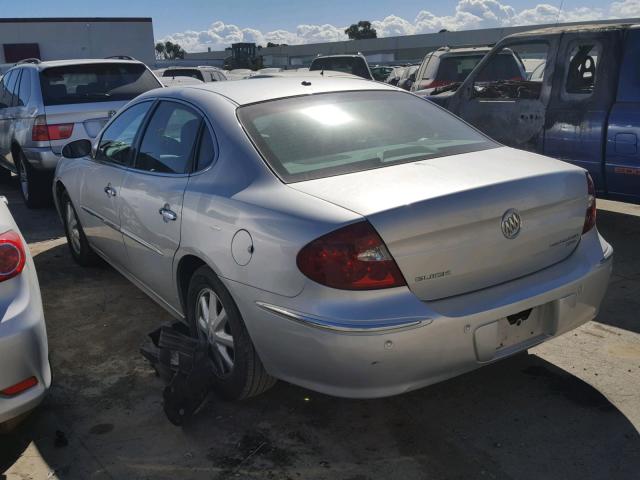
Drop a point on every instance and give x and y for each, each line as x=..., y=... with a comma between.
x=213, y=327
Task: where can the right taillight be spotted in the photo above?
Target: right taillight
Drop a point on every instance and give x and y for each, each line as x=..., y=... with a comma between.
x=590, y=216
x=12, y=255
x=350, y=258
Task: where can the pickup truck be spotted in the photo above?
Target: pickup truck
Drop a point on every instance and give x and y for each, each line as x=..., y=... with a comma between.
x=579, y=102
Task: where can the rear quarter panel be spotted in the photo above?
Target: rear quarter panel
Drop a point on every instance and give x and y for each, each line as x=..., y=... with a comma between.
x=239, y=192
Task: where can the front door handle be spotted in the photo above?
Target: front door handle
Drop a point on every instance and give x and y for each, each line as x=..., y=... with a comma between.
x=110, y=191
x=168, y=214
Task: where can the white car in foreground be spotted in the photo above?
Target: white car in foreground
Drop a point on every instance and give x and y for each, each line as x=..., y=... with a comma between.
x=25, y=374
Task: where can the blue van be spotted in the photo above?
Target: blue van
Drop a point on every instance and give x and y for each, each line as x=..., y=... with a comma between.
x=579, y=102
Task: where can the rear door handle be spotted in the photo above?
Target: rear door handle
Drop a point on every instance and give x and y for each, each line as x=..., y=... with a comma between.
x=168, y=214
x=110, y=191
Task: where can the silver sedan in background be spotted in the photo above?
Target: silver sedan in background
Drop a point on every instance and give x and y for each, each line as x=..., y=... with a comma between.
x=25, y=375
x=336, y=233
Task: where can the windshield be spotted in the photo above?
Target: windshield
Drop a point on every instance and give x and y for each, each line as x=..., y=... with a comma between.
x=352, y=65
x=322, y=135
x=183, y=72
x=95, y=82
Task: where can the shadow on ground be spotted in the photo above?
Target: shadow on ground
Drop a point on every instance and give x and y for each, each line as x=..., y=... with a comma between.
x=522, y=418
x=36, y=225
x=623, y=296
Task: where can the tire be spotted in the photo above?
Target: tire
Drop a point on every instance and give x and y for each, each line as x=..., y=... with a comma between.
x=245, y=376
x=77, y=241
x=35, y=186
x=5, y=176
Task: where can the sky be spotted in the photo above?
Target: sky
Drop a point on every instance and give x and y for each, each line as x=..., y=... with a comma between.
x=201, y=24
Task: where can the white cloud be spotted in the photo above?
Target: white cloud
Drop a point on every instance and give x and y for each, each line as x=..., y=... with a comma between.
x=468, y=14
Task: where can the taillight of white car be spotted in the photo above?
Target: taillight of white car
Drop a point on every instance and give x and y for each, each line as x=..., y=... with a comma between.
x=12, y=255
x=350, y=258
x=590, y=217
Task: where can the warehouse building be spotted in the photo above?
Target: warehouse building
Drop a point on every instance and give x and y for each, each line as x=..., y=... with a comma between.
x=64, y=38
x=388, y=50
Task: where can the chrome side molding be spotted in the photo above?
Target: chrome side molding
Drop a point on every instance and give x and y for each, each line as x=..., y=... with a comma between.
x=385, y=325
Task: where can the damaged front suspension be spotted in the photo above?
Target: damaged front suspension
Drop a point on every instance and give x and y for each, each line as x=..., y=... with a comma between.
x=182, y=362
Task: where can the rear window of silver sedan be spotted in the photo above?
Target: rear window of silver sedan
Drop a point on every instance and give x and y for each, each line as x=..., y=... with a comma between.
x=322, y=135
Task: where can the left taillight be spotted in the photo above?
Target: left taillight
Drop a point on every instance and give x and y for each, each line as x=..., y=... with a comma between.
x=41, y=131
x=350, y=258
x=590, y=215
x=12, y=255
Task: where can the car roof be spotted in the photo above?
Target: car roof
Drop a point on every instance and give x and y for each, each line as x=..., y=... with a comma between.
x=595, y=27
x=82, y=61
x=244, y=92
x=342, y=55
x=305, y=73
x=463, y=51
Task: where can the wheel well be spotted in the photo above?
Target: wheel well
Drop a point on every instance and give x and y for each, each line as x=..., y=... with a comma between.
x=15, y=152
x=59, y=191
x=186, y=268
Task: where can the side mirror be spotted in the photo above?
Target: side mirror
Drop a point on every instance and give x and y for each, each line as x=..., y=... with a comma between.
x=77, y=149
x=412, y=77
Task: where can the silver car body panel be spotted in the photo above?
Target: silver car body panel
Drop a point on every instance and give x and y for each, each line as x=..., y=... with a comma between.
x=440, y=218
x=366, y=343
x=23, y=335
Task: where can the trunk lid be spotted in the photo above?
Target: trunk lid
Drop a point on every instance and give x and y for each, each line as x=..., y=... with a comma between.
x=441, y=219
x=88, y=119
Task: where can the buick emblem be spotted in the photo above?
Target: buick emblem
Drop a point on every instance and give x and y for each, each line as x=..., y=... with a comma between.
x=511, y=223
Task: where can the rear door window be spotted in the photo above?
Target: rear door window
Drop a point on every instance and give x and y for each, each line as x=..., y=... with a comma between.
x=24, y=93
x=15, y=88
x=9, y=81
x=581, y=71
x=116, y=144
x=168, y=142
x=205, y=150
x=95, y=82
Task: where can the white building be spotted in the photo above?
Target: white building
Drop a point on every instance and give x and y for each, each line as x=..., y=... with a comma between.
x=64, y=38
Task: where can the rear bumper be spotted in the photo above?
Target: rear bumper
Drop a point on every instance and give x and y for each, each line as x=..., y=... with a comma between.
x=375, y=344
x=41, y=158
x=23, y=343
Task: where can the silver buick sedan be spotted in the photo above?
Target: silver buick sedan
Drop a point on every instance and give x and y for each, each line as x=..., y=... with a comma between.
x=336, y=233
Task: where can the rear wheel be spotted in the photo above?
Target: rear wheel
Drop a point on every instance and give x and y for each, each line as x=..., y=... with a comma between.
x=79, y=247
x=216, y=320
x=35, y=186
x=5, y=175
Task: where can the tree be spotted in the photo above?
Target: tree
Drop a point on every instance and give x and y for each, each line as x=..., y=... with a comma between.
x=361, y=30
x=271, y=44
x=169, y=51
